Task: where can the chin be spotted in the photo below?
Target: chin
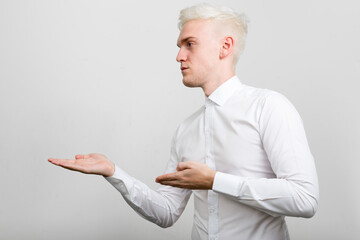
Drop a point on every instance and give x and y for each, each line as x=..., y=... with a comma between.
x=190, y=82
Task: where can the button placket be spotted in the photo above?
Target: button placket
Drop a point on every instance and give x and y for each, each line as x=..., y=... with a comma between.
x=212, y=196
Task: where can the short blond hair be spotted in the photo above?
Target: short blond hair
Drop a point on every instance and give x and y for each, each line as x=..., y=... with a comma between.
x=238, y=22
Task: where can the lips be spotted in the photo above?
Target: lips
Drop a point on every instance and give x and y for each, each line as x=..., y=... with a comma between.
x=184, y=68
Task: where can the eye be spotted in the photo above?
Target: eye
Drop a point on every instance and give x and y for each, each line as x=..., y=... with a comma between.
x=189, y=44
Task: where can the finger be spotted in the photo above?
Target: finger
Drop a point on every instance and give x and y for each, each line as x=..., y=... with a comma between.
x=177, y=184
x=58, y=161
x=65, y=163
x=55, y=161
x=167, y=177
x=161, y=178
x=71, y=164
x=169, y=183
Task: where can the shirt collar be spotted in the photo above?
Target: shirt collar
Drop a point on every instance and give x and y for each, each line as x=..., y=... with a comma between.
x=224, y=91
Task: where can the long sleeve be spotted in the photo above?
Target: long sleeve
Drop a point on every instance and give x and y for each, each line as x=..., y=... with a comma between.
x=163, y=206
x=294, y=191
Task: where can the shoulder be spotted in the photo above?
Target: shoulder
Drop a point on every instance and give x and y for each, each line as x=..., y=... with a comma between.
x=259, y=93
x=273, y=106
x=253, y=99
x=265, y=97
x=262, y=104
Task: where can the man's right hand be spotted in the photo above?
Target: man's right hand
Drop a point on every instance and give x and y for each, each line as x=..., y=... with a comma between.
x=93, y=163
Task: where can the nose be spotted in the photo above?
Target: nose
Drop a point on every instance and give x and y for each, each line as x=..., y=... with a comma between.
x=181, y=57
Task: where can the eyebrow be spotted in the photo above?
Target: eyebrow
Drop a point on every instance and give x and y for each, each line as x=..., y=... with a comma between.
x=186, y=40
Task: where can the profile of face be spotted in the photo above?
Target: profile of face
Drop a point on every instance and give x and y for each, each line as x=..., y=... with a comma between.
x=199, y=44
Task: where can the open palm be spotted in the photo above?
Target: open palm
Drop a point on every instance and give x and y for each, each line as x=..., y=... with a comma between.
x=93, y=163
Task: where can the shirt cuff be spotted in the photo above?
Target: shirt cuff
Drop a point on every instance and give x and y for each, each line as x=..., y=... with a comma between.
x=120, y=180
x=228, y=184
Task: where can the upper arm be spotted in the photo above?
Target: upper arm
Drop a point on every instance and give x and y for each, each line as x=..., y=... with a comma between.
x=284, y=139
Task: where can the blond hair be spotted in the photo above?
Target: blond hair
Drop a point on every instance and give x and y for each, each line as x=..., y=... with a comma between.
x=237, y=22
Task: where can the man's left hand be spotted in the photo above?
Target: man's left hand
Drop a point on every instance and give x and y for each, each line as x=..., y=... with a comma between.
x=191, y=175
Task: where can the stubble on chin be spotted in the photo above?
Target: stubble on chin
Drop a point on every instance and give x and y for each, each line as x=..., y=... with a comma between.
x=191, y=82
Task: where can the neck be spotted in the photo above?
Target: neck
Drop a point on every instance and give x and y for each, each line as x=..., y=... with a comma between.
x=216, y=81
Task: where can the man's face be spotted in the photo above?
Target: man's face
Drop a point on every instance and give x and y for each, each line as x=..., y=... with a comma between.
x=199, y=51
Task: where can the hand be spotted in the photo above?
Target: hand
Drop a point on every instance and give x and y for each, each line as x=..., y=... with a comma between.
x=93, y=163
x=191, y=175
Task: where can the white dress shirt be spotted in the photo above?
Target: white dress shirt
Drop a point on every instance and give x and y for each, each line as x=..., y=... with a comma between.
x=255, y=140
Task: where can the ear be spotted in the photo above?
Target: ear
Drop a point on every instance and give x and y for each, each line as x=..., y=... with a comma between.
x=227, y=46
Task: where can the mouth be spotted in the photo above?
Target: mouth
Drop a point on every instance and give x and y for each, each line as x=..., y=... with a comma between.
x=184, y=68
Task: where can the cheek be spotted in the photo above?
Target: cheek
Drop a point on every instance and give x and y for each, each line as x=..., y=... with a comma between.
x=209, y=59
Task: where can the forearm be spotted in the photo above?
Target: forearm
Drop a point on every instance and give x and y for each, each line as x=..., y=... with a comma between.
x=162, y=207
x=296, y=196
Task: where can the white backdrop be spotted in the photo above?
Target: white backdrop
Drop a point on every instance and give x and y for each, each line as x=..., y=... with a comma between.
x=101, y=76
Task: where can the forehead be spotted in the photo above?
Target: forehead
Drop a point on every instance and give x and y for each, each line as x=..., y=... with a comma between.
x=197, y=29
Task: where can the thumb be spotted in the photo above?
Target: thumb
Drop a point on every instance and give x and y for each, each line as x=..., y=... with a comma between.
x=81, y=156
x=183, y=165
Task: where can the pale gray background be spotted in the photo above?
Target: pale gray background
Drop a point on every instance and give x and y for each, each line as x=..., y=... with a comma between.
x=101, y=76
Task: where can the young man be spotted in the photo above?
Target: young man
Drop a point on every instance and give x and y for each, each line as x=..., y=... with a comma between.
x=244, y=154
